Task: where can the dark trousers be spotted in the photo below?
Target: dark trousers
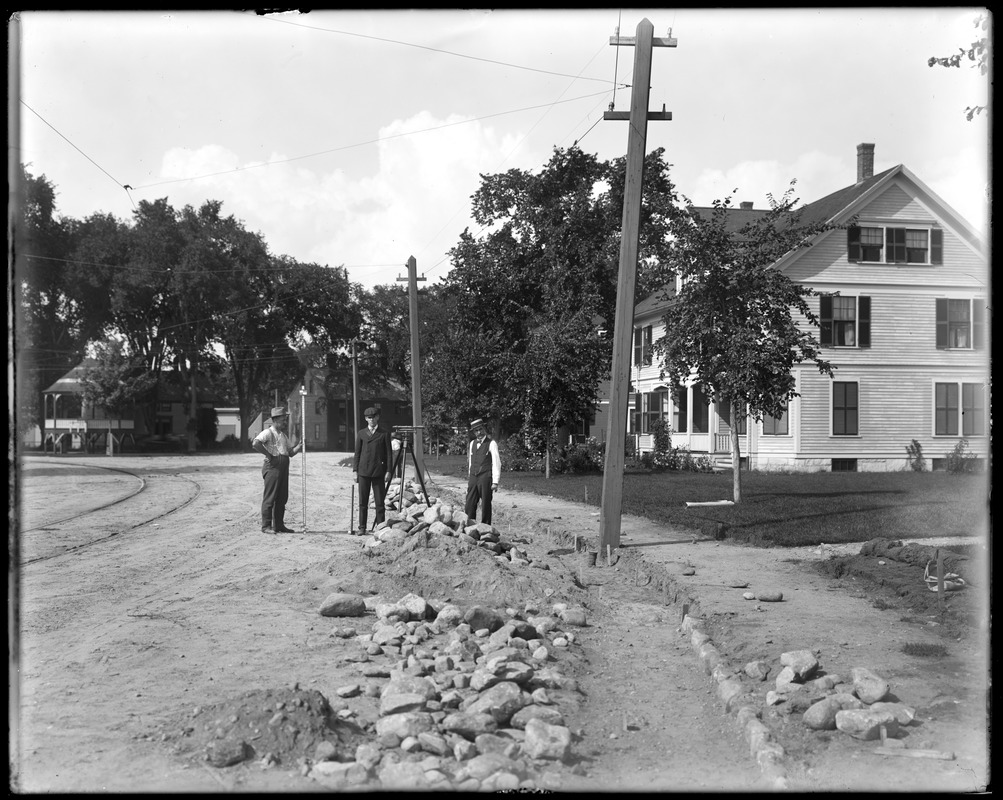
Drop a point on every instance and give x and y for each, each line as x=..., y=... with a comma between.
x=479, y=489
x=379, y=489
x=273, y=501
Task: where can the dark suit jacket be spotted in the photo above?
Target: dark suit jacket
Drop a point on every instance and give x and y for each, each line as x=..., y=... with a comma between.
x=373, y=453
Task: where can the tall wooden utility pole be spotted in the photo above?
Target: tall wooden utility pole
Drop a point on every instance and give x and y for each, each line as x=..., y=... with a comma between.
x=612, y=485
x=412, y=279
x=355, y=392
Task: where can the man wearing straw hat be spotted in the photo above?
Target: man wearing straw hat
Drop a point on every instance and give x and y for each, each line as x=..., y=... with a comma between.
x=484, y=468
x=374, y=460
x=273, y=444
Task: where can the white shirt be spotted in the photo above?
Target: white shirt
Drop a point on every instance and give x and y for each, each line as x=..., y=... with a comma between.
x=277, y=444
x=495, y=458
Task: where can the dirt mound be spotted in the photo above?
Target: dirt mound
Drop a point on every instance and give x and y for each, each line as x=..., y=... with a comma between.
x=442, y=568
x=893, y=575
x=277, y=726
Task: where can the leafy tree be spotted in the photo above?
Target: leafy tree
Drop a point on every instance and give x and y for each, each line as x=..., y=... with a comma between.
x=977, y=53
x=54, y=314
x=531, y=291
x=732, y=326
x=116, y=381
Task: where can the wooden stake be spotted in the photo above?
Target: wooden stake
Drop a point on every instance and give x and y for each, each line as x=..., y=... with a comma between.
x=943, y=755
x=940, y=582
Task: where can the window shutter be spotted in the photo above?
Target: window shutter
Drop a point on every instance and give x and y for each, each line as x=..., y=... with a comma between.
x=825, y=320
x=978, y=324
x=853, y=244
x=863, y=322
x=942, y=337
x=936, y=246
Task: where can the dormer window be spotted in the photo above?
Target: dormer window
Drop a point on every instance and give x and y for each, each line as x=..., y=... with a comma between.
x=885, y=244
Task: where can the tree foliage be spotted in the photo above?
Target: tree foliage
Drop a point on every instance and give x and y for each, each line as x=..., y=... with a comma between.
x=56, y=310
x=532, y=290
x=190, y=289
x=739, y=325
x=977, y=53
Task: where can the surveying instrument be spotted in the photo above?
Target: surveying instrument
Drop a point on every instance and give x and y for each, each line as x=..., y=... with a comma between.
x=400, y=459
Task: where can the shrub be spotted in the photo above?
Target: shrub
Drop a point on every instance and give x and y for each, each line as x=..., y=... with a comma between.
x=960, y=459
x=229, y=443
x=517, y=456
x=581, y=457
x=456, y=443
x=915, y=454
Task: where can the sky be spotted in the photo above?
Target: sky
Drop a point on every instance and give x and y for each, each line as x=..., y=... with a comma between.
x=356, y=138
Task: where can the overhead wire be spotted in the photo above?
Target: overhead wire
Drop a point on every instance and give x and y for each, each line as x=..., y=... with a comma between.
x=547, y=106
x=74, y=146
x=433, y=50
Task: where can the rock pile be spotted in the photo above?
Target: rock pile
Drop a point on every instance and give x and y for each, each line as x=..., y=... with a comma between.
x=471, y=699
x=856, y=707
x=415, y=520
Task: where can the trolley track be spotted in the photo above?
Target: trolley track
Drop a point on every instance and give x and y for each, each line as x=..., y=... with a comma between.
x=72, y=532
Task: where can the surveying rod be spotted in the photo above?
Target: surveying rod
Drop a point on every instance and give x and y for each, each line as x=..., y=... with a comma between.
x=303, y=450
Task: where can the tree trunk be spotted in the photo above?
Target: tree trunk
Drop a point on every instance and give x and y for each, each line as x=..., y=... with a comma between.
x=547, y=459
x=736, y=456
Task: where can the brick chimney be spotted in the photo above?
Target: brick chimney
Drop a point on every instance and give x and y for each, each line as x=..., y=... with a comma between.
x=865, y=162
x=745, y=205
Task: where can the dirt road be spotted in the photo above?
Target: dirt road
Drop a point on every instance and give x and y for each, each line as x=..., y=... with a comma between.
x=135, y=615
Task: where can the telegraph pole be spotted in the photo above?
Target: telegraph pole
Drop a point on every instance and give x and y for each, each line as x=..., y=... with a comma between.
x=612, y=486
x=412, y=279
x=355, y=391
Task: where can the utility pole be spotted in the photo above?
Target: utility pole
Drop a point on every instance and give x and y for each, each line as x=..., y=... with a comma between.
x=418, y=451
x=612, y=486
x=355, y=390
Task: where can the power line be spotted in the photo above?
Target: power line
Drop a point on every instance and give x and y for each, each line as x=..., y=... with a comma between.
x=71, y=144
x=369, y=141
x=435, y=50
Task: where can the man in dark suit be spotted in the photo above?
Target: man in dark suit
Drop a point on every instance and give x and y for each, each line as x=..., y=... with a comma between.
x=373, y=462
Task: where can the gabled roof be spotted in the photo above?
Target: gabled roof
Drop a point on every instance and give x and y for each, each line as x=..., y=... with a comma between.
x=838, y=207
x=735, y=218
x=172, y=388
x=71, y=381
x=833, y=206
x=654, y=302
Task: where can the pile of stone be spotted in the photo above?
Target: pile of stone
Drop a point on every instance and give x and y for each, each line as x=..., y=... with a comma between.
x=414, y=518
x=856, y=707
x=472, y=697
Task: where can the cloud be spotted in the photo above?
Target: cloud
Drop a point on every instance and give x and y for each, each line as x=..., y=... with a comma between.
x=414, y=201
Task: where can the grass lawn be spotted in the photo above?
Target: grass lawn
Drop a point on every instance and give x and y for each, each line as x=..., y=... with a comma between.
x=781, y=509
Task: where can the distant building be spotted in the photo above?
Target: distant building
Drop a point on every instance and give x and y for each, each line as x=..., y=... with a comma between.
x=71, y=423
x=903, y=321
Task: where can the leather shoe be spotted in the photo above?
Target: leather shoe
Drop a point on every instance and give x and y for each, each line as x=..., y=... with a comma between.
x=266, y=529
x=283, y=529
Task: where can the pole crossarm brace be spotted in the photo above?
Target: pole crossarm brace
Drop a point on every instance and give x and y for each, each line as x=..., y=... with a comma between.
x=631, y=41
x=657, y=116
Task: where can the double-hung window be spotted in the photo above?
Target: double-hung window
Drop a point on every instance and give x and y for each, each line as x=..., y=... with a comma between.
x=776, y=426
x=845, y=408
x=642, y=346
x=887, y=244
x=960, y=324
x=844, y=321
x=959, y=408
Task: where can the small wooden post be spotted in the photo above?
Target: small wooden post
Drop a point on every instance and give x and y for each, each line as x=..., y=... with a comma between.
x=940, y=581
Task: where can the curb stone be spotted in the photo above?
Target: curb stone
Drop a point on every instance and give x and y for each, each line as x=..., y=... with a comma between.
x=767, y=753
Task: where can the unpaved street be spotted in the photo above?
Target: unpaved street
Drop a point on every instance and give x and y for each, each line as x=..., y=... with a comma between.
x=132, y=615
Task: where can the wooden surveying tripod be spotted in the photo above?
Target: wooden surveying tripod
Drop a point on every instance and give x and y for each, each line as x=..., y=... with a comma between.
x=406, y=432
